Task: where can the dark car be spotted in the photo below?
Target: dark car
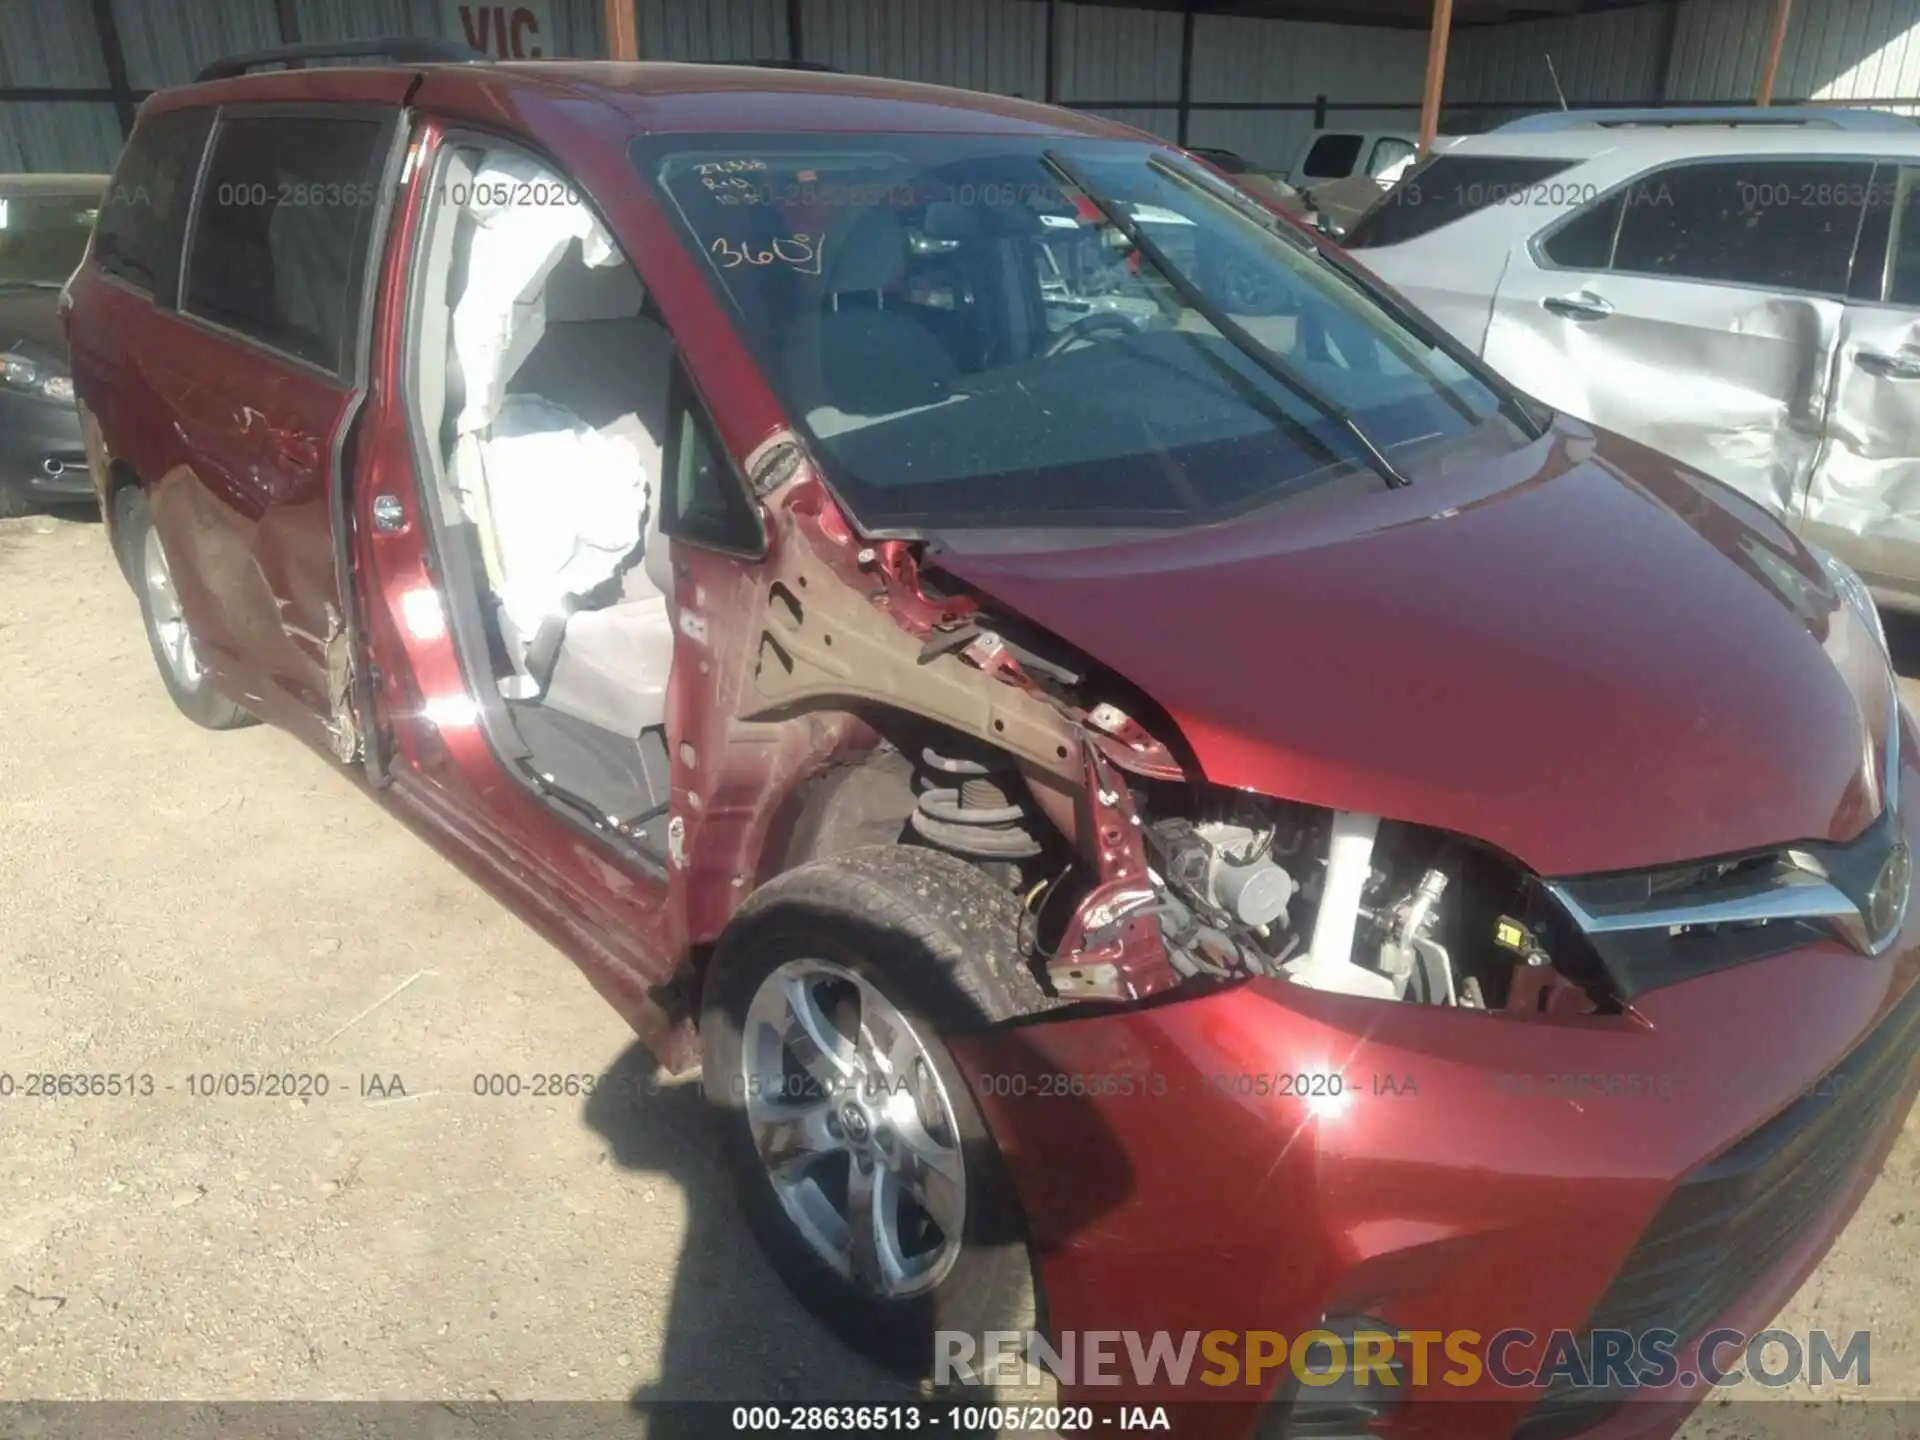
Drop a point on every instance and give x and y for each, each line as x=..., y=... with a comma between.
x=44, y=224
x=1149, y=815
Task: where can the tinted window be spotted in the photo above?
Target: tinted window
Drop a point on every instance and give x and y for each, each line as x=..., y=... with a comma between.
x=706, y=501
x=1778, y=225
x=1903, y=275
x=1445, y=189
x=1870, y=254
x=279, y=243
x=1332, y=156
x=138, y=237
x=1585, y=241
x=997, y=330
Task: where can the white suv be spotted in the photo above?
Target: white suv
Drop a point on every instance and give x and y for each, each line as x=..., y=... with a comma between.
x=1740, y=289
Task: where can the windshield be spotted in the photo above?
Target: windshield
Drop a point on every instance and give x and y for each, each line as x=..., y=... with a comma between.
x=42, y=237
x=986, y=332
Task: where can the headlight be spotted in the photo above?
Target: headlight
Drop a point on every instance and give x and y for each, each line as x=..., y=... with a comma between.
x=34, y=377
x=1854, y=591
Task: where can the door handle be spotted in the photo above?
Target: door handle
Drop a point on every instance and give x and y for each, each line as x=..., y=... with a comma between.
x=1904, y=366
x=1581, y=305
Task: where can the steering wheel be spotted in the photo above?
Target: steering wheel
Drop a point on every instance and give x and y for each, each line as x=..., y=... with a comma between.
x=1089, y=328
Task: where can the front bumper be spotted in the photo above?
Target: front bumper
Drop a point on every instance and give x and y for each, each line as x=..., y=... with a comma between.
x=42, y=456
x=1480, y=1173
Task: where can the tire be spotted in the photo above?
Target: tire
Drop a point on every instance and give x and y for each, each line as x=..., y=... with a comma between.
x=934, y=938
x=120, y=526
x=188, y=683
x=12, y=501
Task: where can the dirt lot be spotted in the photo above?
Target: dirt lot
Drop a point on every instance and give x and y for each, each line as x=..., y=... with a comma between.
x=175, y=903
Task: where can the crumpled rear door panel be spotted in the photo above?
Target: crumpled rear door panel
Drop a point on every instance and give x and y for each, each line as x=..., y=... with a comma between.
x=1864, y=502
x=1729, y=380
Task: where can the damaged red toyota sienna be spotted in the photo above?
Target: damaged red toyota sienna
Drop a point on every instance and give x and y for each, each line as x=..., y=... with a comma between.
x=1159, y=793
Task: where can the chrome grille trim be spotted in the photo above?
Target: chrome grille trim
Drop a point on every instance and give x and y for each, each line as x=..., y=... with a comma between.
x=1789, y=892
x=1833, y=887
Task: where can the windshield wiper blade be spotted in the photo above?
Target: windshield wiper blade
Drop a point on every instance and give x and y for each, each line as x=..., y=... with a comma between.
x=31, y=284
x=1521, y=409
x=1236, y=333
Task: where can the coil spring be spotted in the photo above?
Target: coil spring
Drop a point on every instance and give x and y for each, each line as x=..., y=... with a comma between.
x=964, y=807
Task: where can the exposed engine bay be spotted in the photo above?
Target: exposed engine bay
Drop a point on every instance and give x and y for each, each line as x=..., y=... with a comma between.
x=1073, y=788
x=1347, y=903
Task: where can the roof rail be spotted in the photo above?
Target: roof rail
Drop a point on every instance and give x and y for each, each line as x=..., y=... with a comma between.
x=1809, y=116
x=401, y=51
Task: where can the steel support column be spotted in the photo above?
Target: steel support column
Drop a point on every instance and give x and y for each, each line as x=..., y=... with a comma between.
x=1186, y=68
x=115, y=61
x=623, y=30
x=1782, y=15
x=1436, y=73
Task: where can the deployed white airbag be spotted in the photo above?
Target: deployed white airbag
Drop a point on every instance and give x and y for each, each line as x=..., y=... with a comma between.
x=568, y=505
x=524, y=220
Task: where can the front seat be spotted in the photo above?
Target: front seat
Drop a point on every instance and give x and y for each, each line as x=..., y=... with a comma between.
x=860, y=355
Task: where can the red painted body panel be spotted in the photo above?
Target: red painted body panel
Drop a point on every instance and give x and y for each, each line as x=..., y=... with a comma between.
x=1579, y=654
x=238, y=449
x=1459, y=1203
x=1593, y=663
x=610, y=918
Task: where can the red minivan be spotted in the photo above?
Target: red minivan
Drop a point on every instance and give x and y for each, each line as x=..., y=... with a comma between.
x=1161, y=795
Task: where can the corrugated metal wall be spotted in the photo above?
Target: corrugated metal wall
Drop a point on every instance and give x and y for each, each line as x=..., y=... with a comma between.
x=1845, y=50
x=1834, y=51
x=1613, y=55
x=717, y=30
x=53, y=43
x=1108, y=55
x=1265, y=60
x=996, y=45
x=1123, y=63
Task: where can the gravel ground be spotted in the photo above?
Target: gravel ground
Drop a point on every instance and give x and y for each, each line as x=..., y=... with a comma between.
x=175, y=903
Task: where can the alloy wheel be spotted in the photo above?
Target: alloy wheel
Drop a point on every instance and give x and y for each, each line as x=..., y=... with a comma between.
x=168, y=619
x=854, y=1128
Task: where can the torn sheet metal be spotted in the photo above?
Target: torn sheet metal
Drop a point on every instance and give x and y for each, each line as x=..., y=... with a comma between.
x=1729, y=381
x=1864, y=503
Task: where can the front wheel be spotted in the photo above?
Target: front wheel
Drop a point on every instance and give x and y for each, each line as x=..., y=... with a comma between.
x=187, y=680
x=866, y=1171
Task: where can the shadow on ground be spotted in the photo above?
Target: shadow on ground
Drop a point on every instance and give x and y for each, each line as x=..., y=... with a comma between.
x=732, y=1330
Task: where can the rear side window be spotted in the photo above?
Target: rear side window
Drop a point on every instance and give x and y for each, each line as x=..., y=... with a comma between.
x=280, y=239
x=1775, y=224
x=1448, y=188
x=1870, y=254
x=1903, y=275
x=1332, y=156
x=138, y=235
x=1585, y=241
